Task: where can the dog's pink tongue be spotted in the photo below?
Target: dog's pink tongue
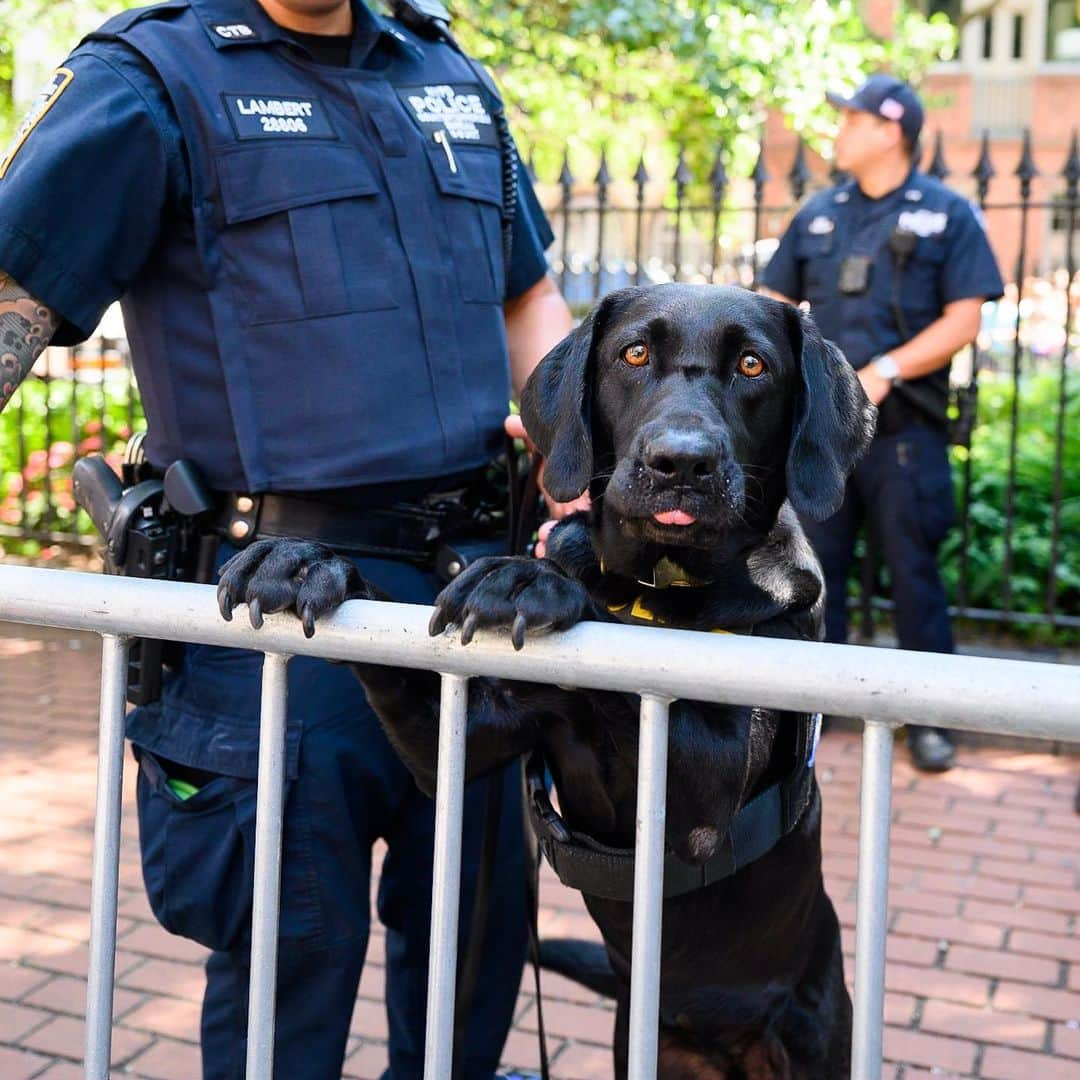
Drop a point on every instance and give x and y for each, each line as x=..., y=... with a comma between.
x=675, y=517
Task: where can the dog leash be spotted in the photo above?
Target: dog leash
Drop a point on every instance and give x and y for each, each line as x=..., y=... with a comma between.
x=524, y=495
x=532, y=902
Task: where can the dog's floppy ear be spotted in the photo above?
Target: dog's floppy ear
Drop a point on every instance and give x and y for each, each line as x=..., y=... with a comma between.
x=833, y=423
x=555, y=407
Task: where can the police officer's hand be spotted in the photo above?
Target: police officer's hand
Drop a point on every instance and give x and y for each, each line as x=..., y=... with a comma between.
x=875, y=386
x=515, y=428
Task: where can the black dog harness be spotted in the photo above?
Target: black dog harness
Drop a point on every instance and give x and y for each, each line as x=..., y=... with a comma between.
x=586, y=864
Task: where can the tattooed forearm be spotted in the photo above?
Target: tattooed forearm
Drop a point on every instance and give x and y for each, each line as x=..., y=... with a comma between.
x=25, y=329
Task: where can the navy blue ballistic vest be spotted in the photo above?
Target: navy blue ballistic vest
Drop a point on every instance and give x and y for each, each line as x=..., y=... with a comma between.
x=333, y=315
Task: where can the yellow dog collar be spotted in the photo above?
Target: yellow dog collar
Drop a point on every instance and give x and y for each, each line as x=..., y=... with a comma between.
x=638, y=609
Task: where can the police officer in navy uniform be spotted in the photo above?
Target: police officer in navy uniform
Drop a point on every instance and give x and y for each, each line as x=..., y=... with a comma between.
x=303, y=207
x=895, y=267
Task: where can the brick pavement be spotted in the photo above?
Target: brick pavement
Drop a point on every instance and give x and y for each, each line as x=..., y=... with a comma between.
x=984, y=952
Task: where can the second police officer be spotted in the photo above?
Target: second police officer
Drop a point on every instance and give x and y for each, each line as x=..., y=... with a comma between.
x=895, y=267
x=305, y=209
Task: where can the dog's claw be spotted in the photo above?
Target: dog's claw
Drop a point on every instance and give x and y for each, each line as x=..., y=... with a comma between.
x=224, y=601
x=255, y=613
x=307, y=616
x=437, y=623
x=517, y=632
x=469, y=628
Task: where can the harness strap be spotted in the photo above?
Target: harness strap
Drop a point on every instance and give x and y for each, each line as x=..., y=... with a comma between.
x=585, y=864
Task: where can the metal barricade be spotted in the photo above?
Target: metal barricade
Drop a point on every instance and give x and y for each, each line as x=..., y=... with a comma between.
x=885, y=686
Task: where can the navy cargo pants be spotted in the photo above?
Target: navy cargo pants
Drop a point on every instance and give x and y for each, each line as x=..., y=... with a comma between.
x=346, y=789
x=902, y=489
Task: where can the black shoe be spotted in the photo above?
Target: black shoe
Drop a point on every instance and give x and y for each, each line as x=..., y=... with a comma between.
x=932, y=750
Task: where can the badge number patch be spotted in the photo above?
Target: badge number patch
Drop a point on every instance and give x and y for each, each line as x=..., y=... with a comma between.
x=457, y=109
x=57, y=84
x=268, y=116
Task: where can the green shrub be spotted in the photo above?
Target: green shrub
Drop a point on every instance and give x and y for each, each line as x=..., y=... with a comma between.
x=99, y=419
x=1038, y=412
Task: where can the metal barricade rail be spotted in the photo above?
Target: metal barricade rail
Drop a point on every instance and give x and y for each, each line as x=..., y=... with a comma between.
x=886, y=687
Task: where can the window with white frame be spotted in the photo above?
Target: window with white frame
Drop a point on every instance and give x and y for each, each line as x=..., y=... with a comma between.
x=1002, y=36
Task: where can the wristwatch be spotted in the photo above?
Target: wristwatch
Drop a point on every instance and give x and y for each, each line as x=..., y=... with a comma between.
x=887, y=367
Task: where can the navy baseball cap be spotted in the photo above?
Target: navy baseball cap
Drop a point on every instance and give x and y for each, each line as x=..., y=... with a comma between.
x=888, y=97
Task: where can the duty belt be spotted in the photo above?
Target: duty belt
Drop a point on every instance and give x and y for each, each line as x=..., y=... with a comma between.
x=410, y=532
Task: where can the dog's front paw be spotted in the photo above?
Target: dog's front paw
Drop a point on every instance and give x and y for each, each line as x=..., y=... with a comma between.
x=522, y=594
x=289, y=575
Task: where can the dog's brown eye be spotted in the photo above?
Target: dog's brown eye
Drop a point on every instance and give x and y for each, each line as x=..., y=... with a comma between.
x=751, y=366
x=636, y=355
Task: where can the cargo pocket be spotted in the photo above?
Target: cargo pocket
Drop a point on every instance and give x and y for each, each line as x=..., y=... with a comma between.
x=934, y=490
x=472, y=191
x=198, y=855
x=290, y=213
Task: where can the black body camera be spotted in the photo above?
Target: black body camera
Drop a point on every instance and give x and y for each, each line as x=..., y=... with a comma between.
x=854, y=279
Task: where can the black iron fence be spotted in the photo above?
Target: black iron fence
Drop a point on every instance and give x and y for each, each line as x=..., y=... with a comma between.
x=1014, y=557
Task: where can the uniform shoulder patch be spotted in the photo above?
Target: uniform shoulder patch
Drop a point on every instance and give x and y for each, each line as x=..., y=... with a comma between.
x=50, y=94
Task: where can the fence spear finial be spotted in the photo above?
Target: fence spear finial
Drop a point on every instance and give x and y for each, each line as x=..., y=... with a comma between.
x=1026, y=170
x=641, y=174
x=760, y=175
x=718, y=178
x=566, y=177
x=683, y=175
x=984, y=168
x=799, y=174
x=937, y=168
x=603, y=174
x=1071, y=172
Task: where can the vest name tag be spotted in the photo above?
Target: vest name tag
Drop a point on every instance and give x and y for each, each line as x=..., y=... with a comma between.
x=266, y=116
x=459, y=110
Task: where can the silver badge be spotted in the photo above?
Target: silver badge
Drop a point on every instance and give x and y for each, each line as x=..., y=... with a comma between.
x=923, y=222
x=821, y=226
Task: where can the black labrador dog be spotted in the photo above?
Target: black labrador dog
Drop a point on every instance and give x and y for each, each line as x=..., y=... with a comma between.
x=701, y=420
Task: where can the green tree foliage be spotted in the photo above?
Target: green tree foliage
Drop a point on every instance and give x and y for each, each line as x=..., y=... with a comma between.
x=630, y=72
x=699, y=73
x=52, y=27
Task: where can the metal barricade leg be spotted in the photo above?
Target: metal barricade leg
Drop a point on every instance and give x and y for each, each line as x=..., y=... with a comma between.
x=872, y=909
x=267, y=901
x=106, y=872
x=446, y=882
x=648, y=887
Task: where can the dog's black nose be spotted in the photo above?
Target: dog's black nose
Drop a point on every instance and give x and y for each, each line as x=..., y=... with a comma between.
x=681, y=457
